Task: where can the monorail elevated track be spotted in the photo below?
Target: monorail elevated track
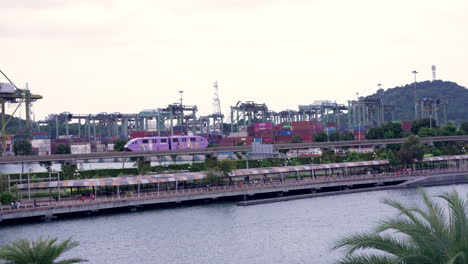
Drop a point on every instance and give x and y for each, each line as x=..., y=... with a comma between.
x=216, y=150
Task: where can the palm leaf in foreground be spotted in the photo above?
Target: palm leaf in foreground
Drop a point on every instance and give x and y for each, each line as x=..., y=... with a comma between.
x=418, y=235
x=38, y=252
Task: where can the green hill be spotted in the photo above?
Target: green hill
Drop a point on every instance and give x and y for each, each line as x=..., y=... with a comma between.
x=402, y=97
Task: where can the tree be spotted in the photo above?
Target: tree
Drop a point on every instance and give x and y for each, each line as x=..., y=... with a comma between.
x=448, y=130
x=68, y=171
x=7, y=197
x=40, y=251
x=392, y=130
x=211, y=176
x=426, y=234
x=464, y=127
x=119, y=144
x=347, y=136
x=321, y=137
x=62, y=149
x=296, y=139
x=411, y=150
x=352, y=156
x=334, y=136
x=375, y=133
x=427, y=132
x=143, y=166
x=423, y=122
x=226, y=166
x=22, y=148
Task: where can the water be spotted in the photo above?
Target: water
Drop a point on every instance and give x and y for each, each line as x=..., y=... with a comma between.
x=300, y=231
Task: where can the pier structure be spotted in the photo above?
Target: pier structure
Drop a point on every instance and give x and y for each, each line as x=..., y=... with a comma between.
x=245, y=190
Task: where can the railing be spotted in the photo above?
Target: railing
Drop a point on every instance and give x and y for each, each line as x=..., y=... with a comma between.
x=265, y=185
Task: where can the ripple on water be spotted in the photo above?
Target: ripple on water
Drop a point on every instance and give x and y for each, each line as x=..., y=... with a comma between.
x=300, y=231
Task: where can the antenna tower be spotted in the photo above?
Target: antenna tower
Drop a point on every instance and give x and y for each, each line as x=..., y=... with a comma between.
x=433, y=72
x=216, y=101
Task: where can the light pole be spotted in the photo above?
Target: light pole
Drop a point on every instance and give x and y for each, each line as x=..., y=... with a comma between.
x=181, y=92
x=415, y=98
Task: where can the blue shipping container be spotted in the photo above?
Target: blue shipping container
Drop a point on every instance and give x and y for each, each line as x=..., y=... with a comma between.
x=257, y=140
x=285, y=133
x=40, y=137
x=359, y=128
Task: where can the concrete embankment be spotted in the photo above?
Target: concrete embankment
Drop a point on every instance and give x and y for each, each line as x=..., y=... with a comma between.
x=437, y=180
x=421, y=182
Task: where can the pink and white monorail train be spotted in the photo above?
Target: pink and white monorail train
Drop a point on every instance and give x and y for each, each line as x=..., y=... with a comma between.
x=166, y=143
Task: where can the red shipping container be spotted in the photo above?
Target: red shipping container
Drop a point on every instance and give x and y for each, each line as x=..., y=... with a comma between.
x=267, y=139
x=332, y=124
x=250, y=131
x=41, y=134
x=302, y=132
x=406, y=125
x=361, y=136
x=306, y=137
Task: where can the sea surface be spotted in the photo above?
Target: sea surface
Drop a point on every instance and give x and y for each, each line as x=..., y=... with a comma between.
x=300, y=231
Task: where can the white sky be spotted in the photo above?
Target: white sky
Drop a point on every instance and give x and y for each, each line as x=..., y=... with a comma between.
x=93, y=56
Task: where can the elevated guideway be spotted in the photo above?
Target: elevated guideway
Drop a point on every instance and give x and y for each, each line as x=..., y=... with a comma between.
x=216, y=150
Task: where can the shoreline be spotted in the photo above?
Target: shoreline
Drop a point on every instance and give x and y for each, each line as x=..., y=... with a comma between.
x=429, y=181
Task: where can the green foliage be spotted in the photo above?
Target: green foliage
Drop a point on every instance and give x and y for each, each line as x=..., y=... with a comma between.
x=321, y=137
x=352, y=156
x=347, y=137
x=335, y=136
x=143, y=166
x=448, y=130
x=40, y=251
x=375, y=133
x=436, y=152
x=226, y=166
x=7, y=197
x=411, y=150
x=427, y=132
x=296, y=139
x=391, y=157
x=22, y=148
x=68, y=171
x=265, y=164
x=464, y=127
x=403, y=98
x=211, y=162
x=392, y=130
x=119, y=144
x=420, y=123
x=426, y=234
x=62, y=149
x=240, y=143
x=211, y=176
x=387, y=130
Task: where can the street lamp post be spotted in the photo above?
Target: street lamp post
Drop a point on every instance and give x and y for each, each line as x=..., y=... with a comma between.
x=181, y=92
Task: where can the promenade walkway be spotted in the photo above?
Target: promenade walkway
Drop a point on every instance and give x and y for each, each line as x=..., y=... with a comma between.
x=224, y=190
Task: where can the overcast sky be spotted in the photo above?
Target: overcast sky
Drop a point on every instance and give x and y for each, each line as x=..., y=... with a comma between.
x=93, y=56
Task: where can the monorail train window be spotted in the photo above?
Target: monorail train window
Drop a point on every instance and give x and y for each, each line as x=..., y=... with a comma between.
x=184, y=140
x=135, y=142
x=192, y=139
x=175, y=140
x=163, y=140
x=145, y=141
x=155, y=141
